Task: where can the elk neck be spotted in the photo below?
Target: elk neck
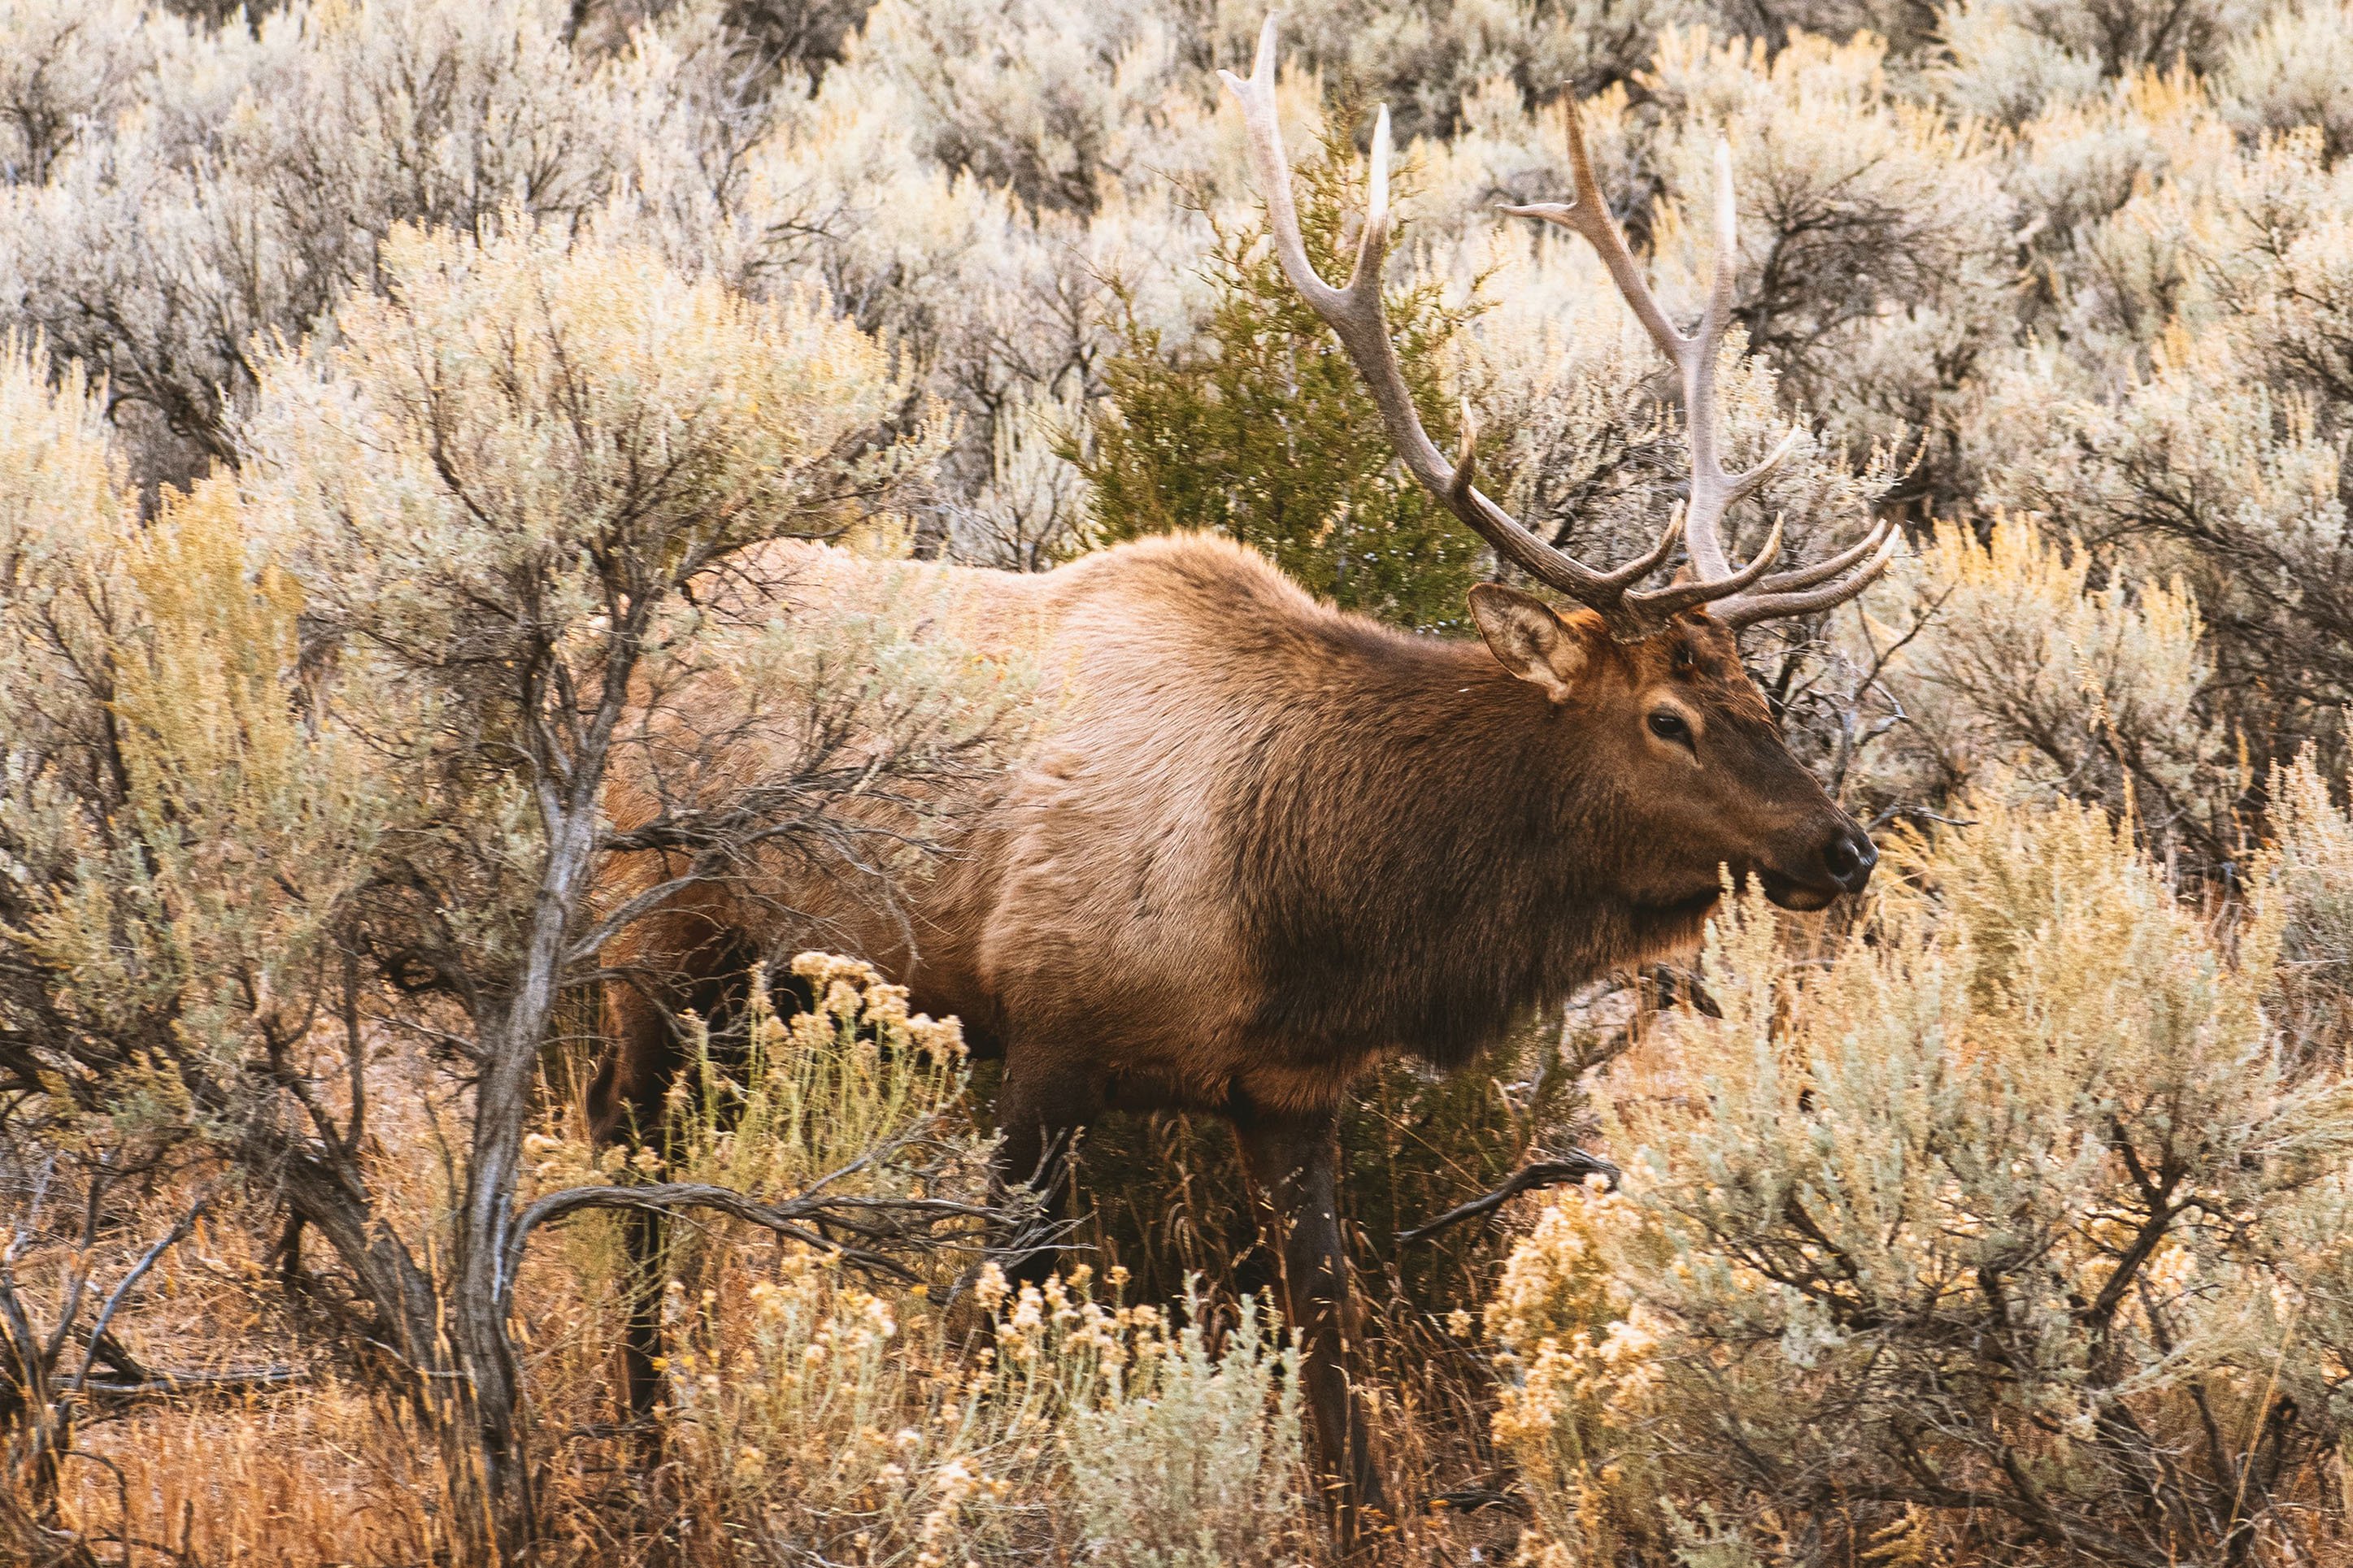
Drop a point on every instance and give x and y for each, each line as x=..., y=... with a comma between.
x=1425, y=846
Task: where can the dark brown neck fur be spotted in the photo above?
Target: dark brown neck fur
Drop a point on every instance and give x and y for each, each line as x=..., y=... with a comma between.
x=1423, y=850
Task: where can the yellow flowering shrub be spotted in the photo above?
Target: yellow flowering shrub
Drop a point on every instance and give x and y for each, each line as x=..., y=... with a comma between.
x=877, y=1426
x=1582, y=1359
x=815, y=1087
x=875, y=1417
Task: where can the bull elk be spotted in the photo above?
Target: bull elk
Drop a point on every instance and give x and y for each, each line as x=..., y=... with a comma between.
x=1260, y=843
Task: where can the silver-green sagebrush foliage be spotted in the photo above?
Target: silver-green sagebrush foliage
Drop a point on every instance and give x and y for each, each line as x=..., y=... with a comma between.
x=324, y=743
x=2004, y=1223
x=2072, y=261
x=1191, y=1458
x=385, y=381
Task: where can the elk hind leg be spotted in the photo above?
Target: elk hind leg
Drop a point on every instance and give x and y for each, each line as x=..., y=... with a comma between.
x=1293, y=1168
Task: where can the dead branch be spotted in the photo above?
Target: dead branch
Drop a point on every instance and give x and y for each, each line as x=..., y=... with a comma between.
x=882, y=1223
x=164, y=1383
x=1574, y=1167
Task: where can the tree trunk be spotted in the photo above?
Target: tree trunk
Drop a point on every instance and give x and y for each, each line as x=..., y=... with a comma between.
x=479, y=1295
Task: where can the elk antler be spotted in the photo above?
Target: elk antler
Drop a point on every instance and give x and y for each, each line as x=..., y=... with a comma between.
x=1354, y=314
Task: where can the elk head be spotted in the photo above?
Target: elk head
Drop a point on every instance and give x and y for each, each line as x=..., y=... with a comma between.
x=1701, y=776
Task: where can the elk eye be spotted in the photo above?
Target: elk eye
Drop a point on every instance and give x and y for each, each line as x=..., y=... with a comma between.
x=1669, y=725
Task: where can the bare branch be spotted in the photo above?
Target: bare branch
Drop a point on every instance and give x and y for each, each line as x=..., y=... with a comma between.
x=114, y=1299
x=794, y=1218
x=1574, y=1167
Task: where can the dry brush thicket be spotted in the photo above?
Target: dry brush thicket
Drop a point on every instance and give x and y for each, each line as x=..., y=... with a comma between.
x=403, y=400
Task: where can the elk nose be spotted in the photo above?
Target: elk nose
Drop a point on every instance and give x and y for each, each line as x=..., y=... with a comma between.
x=1848, y=857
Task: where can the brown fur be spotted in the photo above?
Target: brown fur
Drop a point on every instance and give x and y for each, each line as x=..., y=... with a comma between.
x=1261, y=841
x=1258, y=842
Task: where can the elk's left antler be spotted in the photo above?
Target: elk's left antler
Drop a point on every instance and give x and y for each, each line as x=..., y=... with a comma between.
x=1741, y=597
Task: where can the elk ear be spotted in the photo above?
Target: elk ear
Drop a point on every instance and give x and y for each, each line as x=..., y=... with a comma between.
x=1530, y=640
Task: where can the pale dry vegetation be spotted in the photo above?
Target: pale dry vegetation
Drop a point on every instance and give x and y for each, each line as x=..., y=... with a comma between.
x=404, y=403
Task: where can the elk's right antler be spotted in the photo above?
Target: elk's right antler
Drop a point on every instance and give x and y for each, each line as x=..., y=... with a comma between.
x=1740, y=597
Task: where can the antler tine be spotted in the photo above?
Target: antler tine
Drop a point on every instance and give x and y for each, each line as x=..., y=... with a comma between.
x=1726, y=262
x=1256, y=96
x=1588, y=214
x=1713, y=491
x=1743, y=484
x=1353, y=314
x=1750, y=609
x=1677, y=597
x=1650, y=560
x=1823, y=571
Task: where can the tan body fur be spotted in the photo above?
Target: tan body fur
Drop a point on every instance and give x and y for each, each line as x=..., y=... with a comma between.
x=1256, y=842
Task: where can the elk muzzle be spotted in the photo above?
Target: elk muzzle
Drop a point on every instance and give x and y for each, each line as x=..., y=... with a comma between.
x=1838, y=860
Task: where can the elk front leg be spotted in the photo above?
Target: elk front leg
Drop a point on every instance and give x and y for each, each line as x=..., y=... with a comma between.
x=691, y=963
x=1294, y=1165
x=1039, y=1114
x=625, y=1102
